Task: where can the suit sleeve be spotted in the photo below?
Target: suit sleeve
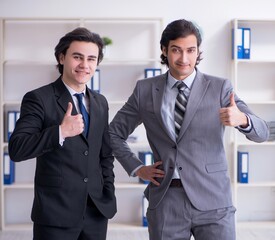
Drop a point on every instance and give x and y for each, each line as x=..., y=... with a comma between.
x=259, y=131
x=106, y=157
x=123, y=124
x=29, y=138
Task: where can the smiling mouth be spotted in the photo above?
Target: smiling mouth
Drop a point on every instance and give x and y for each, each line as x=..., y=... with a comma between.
x=183, y=65
x=82, y=72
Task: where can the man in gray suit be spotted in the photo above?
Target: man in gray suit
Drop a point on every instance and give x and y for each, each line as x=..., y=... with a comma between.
x=189, y=191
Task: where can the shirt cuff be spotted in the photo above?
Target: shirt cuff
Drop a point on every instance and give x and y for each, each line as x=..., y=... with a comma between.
x=133, y=173
x=248, y=128
x=61, y=139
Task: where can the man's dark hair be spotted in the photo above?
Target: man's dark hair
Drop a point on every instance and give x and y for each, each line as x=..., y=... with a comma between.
x=78, y=34
x=178, y=29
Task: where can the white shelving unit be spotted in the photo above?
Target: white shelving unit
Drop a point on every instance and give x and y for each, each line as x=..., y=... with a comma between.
x=254, y=82
x=27, y=62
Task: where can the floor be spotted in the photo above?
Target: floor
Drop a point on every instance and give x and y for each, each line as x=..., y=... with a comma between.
x=141, y=234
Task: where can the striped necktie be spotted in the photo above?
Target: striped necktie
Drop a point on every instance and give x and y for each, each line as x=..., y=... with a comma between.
x=84, y=112
x=180, y=106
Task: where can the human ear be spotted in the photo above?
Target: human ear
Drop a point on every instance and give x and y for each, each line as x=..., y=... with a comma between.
x=61, y=58
x=164, y=51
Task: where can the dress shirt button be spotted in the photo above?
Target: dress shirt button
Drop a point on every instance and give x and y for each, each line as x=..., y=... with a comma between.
x=85, y=180
x=86, y=153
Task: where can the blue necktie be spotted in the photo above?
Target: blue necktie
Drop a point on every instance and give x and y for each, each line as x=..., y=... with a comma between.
x=84, y=112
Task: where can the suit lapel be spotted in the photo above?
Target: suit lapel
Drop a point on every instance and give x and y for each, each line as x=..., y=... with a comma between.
x=197, y=93
x=157, y=93
x=63, y=96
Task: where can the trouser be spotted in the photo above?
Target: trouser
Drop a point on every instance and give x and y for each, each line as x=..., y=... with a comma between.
x=176, y=218
x=92, y=227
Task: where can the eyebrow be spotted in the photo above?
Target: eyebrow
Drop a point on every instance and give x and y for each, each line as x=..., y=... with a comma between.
x=81, y=55
x=180, y=47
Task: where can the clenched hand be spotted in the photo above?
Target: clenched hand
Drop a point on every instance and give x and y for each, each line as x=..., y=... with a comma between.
x=232, y=116
x=151, y=172
x=71, y=125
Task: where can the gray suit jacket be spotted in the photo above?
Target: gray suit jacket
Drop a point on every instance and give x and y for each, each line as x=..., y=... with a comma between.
x=199, y=150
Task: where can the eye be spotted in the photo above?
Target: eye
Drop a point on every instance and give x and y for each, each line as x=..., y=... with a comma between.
x=191, y=50
x=92, y=59
x=175, y=50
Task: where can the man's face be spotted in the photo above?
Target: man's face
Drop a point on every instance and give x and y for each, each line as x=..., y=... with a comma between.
x=80, y=63
x=182, y=55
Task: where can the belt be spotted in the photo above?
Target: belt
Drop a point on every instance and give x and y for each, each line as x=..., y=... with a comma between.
x=176, y=183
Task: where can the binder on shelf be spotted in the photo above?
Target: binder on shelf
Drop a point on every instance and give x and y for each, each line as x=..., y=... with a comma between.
x=94, y=83
x=17, y=115
x=8, y=169
x=243, y=158
x=144, y=210
x=151, y=72
x=13, y=116
x=239, y=41
x=147, y=159
x=246, y=43
x=11, y=123
x=243, y=42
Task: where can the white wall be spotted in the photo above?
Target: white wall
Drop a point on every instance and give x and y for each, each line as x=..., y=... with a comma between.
x=213, y=16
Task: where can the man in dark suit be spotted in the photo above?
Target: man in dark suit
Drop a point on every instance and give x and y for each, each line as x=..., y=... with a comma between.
x=74, y=179
x=184, y=113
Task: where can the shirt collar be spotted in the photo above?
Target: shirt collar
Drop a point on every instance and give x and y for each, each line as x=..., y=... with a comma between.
x=72, y=91
x=188, y=81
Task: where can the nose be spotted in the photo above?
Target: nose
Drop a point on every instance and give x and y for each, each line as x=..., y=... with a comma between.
x=184, y=56
x=84, y=63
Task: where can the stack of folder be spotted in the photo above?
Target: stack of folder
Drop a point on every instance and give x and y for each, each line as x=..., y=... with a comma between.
x=151, y=72
x=94, y=83
x=243, y=40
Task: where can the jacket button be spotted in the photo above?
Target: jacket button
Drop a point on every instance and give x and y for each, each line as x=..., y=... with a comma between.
x=85, y=180
x=180, y=168
x=174, y=147
x=86, y=153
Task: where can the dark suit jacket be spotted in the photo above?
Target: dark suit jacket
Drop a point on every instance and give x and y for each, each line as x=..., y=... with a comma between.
x=199, y=150
x=65, y=175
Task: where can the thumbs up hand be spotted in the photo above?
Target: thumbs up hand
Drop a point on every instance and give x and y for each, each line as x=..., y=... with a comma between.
x=232, y=100
x=232, y=116
x=71, y=125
